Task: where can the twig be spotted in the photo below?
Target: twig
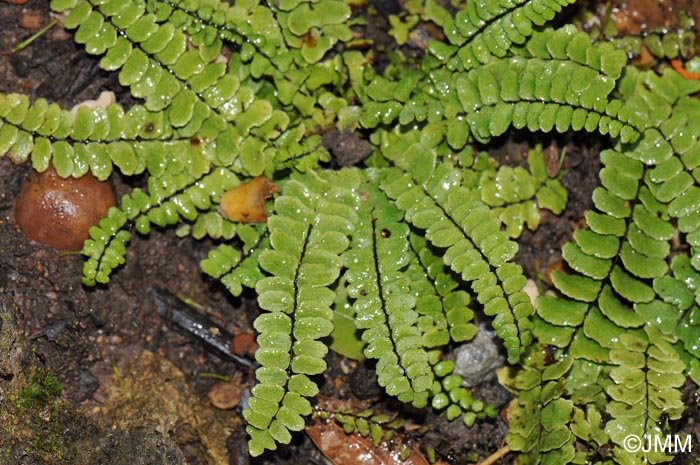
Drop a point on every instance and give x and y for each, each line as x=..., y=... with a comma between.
x=175, y=311
x=495, y=457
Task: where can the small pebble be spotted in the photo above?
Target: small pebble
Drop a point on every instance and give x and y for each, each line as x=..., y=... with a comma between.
x=226, y=395
x=32, y=20
x=478, y=360
x=531, y=290
x=105, y=99
x=89, y=382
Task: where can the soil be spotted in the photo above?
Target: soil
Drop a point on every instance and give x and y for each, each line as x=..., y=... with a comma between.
x=98, y=375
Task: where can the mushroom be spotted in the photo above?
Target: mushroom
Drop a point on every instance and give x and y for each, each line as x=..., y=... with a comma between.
x=59, y=212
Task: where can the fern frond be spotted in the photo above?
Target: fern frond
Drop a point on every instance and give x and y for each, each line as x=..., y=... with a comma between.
x=106, y=248
x=300, y=155
x=168, y=199
x=674, y=182
x=263, y=45
x=676, y=313
x=95, y=140
x=569, y=44
x=235, y=268
x=15, y=111
x=308, y=232
x=540, y=95
x=484, y=30
x=151, y=53
x=449, y=395
x=455, y=219
x=648, y=378
x=660, y=43
x=378, y=427
x=633, y=230
x=540, y=417
x=384, y=304
x=443, y=310
x=517, y=195
x=621, y=304
x=190, y=89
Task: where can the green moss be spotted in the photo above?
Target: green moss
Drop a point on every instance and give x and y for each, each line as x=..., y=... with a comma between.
x=36, y=419
x=42, y=389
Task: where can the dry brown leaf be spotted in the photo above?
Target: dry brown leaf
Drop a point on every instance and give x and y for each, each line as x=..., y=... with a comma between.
x=244, y=345
x=353, y=449
x=246, y=203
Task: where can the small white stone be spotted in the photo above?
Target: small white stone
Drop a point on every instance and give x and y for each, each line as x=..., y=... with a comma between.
x=105, y=99
x=477, y=360
x=531, y=290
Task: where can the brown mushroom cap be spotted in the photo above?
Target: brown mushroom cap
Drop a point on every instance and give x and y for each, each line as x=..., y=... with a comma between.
x=59, y=212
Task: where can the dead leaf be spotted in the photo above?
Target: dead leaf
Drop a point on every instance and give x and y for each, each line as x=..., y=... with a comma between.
x=556, y=266
x=244, y=345
x=246, y=203
x=353, y=449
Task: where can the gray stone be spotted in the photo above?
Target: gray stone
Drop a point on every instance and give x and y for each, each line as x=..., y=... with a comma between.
x=477, y=360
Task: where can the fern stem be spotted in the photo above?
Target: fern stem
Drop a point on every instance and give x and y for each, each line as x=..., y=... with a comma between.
x=495, y=457
x=24, y=44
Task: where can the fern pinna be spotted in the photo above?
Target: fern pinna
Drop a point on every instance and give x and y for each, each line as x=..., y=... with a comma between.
x=413, y=241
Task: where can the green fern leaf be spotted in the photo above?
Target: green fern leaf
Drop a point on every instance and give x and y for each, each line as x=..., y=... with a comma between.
x=515, y=194
x=542, y=94
x=307, y=233
x=106, y=248
x=454, y=219
x=647, y=366
x=539, y=428
x=488, y=29
x=234, y=268
x=384, y=305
